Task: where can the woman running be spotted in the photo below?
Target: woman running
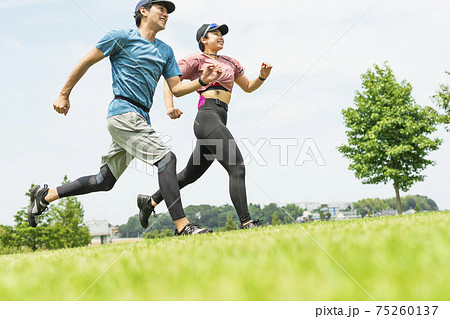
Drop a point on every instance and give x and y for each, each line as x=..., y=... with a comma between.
x=214, y=140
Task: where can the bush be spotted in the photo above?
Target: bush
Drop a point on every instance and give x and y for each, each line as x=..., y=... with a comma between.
x=61, y=227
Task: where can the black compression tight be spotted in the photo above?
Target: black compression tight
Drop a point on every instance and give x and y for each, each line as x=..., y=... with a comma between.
x=214, y=141
x=105, y=180
x=167, y=178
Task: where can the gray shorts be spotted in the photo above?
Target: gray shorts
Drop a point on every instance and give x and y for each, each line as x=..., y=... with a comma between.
x=132, y=137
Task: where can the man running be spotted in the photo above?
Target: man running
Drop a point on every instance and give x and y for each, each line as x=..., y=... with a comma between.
x=138, y=59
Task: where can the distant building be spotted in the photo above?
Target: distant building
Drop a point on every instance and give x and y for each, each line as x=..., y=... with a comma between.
x=333, y=210
x=332, y=207
x=347, y=215
x=341, y=206
x=114, y=231
x=309, y=205
x=387, y=212
x=308, y=217
x=99, y=228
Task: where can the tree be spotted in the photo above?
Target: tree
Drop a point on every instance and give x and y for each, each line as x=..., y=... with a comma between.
x=387, y=132
x=132, y=228
x=268, y=211
x=67, y=219
x=442, y=100
x=60, y=227
x=322, y=215
x=418, y=209
x=230, y=225
x=375, y=205
x=293, y=212
x=275, y=219
x=151, y=234
x=166, y=233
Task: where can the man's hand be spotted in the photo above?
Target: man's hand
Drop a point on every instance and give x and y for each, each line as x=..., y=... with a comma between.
x=211, y=73
x=62, y=105
x=265, y=70
x=174, y=113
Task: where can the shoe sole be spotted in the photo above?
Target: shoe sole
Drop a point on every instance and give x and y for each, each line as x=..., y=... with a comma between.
x=141, y=202
x=204, y=231
x=31, y=217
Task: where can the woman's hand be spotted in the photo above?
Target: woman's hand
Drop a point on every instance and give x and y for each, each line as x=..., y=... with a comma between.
x=265, y=70
x=211, y=73
x=62, y=104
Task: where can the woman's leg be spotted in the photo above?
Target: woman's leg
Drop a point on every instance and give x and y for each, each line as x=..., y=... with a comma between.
x=231, y=159
x=200, y=160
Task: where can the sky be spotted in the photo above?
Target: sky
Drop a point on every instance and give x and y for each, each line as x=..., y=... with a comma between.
x=288, y=130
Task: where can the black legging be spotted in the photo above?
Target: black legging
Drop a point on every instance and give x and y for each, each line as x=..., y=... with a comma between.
x=214, y=141
x=105, y=180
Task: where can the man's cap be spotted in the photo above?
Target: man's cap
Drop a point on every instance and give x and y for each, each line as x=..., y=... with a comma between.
x=170, y=6
x=201, y=32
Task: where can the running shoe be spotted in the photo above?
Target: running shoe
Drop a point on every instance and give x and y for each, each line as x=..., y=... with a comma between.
x=253, y=224
x=192, y=229
x=146, y=209
x=37, y=207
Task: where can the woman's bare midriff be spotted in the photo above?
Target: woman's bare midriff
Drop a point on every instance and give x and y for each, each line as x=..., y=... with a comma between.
x=224, y=96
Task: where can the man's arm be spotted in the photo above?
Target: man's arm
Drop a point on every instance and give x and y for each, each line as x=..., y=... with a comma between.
x=62, y=103
x=174, y=86
x=210, y=73
x=168, y=102
x=249, y=86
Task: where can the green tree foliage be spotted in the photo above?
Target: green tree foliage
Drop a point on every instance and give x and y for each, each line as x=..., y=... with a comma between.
x=132, y=228
x=275, y=219
x=159, y=234
x=370, y=206
x=322, y=215
x=418, y=209
x=268, y=211
x=388, y=132
x=442, y=100
x=230, y=225
x=290, y=210
x=376, y=205
x=61, y=227
x=67, y=218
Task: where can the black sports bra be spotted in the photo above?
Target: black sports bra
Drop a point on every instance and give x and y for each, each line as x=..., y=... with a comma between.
x=215, y=87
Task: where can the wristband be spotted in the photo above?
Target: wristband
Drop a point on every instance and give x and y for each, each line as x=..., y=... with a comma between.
x=201, y=82
x=262, y=79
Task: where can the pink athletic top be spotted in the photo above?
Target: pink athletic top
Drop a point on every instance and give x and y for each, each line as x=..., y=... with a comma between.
x=192, y=68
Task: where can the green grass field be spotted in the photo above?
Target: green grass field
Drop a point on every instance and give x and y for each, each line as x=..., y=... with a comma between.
x=393, y=258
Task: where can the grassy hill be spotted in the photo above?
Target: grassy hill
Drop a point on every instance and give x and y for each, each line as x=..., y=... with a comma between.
x=393, y=258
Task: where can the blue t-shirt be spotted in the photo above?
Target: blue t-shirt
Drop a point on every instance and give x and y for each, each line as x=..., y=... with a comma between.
x=136, y=64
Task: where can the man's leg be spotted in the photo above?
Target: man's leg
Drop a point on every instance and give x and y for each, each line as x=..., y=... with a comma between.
x=42, y=197
x=103, y=181
x=167, y=178
x=138, y=138
x=113, y=165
